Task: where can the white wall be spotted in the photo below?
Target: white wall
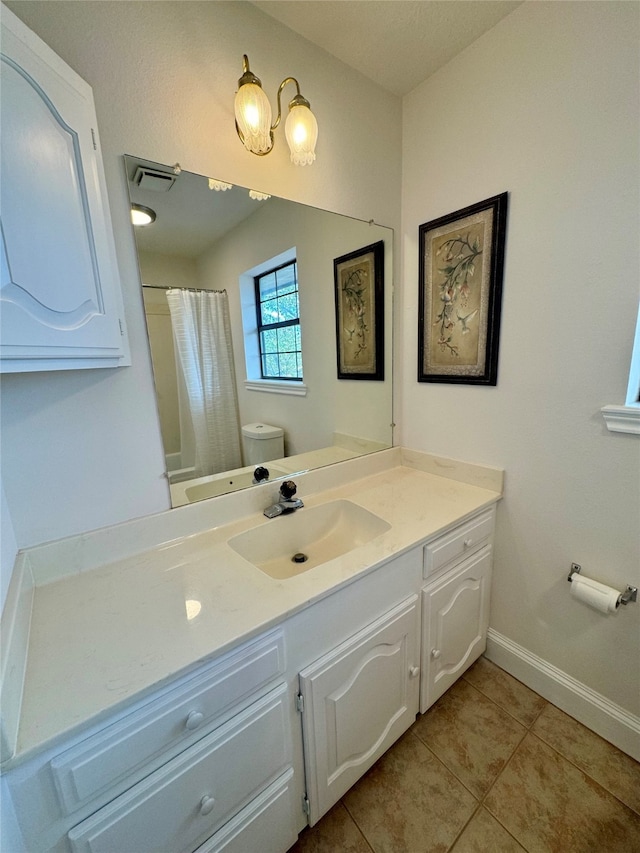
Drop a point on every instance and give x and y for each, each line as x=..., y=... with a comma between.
x=545, y=106
x=83, y=449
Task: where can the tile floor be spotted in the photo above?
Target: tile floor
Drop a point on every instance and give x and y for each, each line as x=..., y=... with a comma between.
x=491, y=768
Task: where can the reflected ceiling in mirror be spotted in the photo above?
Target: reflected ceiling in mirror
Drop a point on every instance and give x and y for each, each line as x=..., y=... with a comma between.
x=219, y=425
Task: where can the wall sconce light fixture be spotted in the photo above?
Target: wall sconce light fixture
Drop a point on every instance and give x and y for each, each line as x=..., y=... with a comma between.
x=141, y=215
x=253, y=119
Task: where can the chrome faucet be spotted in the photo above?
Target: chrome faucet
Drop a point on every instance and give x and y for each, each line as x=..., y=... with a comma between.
x=287, y=502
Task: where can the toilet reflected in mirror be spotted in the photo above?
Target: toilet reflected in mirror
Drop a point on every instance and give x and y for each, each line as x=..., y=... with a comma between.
x=262, y=443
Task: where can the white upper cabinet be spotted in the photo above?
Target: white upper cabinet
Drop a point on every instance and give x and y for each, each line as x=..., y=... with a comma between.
x=60, y=300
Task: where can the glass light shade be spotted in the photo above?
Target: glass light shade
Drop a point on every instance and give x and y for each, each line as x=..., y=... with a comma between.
x=141, y=215
x=301, y=130
x=253, y=116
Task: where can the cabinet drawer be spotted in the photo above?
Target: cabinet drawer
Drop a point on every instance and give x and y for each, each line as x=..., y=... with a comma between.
x=183, y=803
x=460, y=542
x=123, y=753
x=266, y=825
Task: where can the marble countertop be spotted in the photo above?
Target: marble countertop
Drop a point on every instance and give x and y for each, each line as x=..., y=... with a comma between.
x=102, y=637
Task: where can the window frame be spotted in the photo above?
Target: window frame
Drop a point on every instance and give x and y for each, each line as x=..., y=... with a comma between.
x=281, y=324
x=627, y=418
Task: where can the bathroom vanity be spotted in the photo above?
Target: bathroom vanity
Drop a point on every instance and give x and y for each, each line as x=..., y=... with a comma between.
x=186, y=698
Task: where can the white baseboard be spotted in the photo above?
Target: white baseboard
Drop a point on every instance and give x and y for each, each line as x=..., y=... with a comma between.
x=595, y=711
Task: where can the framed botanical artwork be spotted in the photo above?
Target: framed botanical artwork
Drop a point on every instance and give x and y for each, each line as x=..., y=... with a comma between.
x=460, y=275
x=359, y=294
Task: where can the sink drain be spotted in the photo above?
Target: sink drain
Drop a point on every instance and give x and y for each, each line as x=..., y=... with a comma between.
x=299, y=558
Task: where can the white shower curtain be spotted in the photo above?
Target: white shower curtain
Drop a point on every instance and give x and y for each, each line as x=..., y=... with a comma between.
x=204, y=357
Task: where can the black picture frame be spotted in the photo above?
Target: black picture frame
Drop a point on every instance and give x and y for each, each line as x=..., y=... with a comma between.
x=461, y=265
x=359, y=301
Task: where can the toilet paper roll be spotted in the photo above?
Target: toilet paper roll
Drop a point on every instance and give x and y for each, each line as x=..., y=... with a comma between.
x=604, y=598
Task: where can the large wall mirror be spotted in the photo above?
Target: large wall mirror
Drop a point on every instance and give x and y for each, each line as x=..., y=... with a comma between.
x=240, y=303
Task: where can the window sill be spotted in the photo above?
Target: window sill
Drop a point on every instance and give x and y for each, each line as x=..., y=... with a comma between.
x=272, y=386
x=622, y=418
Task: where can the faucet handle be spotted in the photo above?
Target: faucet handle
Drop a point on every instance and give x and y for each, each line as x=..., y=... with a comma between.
x=288, y=489
x=261, y=473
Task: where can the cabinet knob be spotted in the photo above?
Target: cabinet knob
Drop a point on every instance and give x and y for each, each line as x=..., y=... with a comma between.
x=435, y=653
x=206, y=804
x=193, y=720
x=414, y=671
x=468, y=542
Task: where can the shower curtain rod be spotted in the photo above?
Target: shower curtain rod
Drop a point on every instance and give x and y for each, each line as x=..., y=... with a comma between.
x=188, y=289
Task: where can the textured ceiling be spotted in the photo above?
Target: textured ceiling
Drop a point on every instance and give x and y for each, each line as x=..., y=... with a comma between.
x=395, y=43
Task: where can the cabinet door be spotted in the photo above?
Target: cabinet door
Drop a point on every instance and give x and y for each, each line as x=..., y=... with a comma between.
x=357, y=700
x=59, y=291
x=455, y=618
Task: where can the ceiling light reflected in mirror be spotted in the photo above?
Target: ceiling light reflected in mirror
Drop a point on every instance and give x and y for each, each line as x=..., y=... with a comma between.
x=141, y=215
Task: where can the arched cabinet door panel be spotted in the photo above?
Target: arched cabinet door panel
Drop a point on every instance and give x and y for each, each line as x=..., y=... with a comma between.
x=60, y=301
x=358, y=699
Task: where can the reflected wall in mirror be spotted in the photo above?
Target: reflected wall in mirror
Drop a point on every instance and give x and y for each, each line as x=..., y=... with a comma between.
x=205, y=262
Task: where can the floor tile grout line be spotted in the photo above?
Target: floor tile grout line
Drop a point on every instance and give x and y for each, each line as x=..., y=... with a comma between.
x=494, y=783
x=480, y=801
x=503, y=768
x=584, y=772
x=471, y=817
x=541, y=711
x=358, y=827
x=502, y=708
x=443, y=763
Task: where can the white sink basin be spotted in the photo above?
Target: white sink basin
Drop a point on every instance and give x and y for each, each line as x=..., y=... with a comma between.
x=318, y=534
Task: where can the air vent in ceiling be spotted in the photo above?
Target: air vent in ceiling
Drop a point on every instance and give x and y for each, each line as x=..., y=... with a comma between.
x=151, y=179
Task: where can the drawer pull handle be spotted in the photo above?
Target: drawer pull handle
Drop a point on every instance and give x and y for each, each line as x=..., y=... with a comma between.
x=414, y=671
x=206, y=804
x=435, y=653
x=468, y=542
x=193, y=720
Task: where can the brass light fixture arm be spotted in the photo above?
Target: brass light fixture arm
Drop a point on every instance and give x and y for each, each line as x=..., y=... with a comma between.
x=297, y=100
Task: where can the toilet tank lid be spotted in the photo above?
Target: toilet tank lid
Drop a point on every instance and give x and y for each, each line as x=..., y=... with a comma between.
x=261, y=430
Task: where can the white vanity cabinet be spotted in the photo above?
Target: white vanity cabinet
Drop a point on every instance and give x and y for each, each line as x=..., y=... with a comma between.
x=206, y=763
x=455, y=604
x=60, y=296
x=246, y=749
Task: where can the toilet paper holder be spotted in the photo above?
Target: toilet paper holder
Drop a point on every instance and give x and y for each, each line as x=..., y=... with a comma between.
x=630, y=593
